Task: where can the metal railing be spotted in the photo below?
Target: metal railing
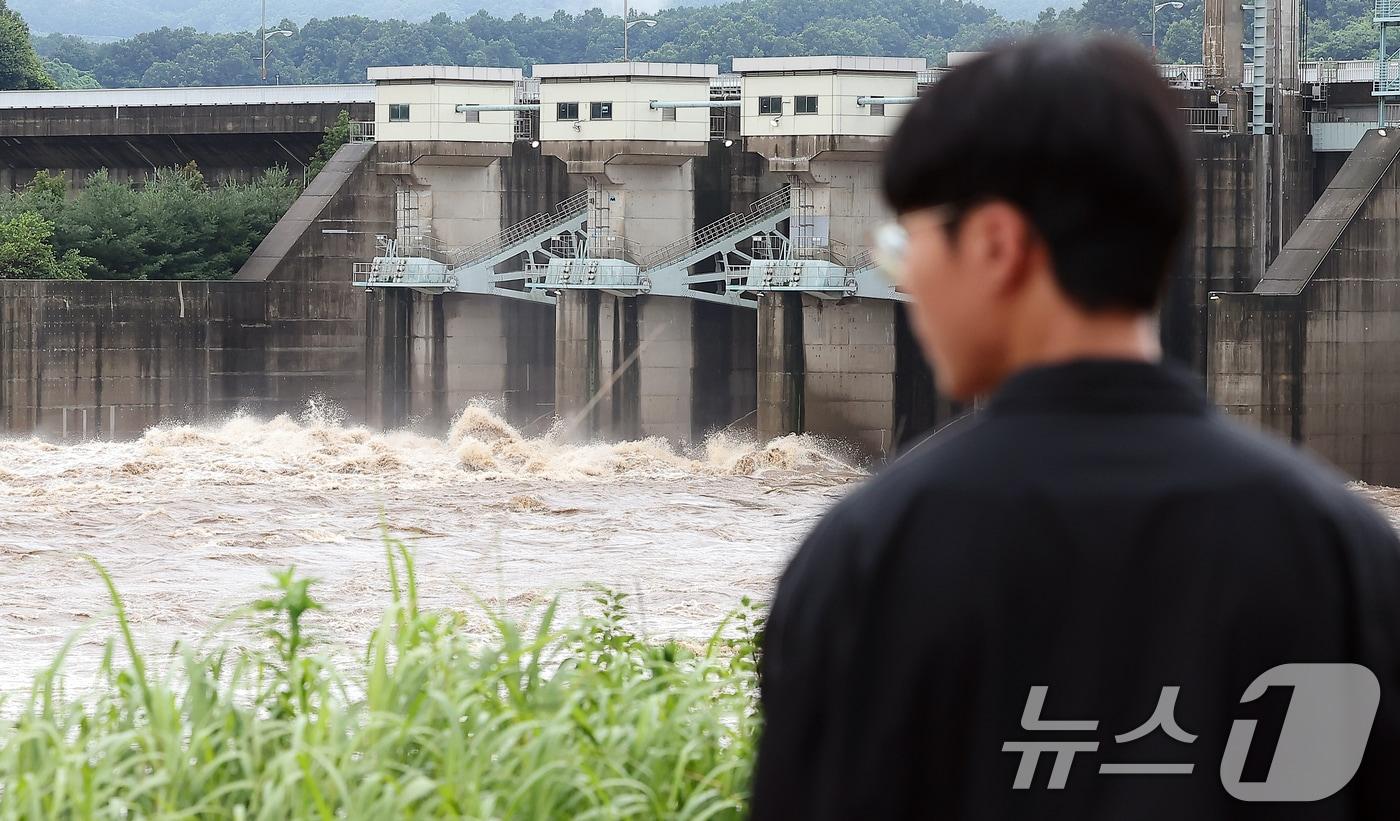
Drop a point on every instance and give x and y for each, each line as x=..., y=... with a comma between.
x=760, y=210
x=527, y=90
x=1387, y=10
x=1213, y=120
x=1387, y=74
x=362, y=131
x=862, y=259
x=725, y=85
x=527, y=126
x=1355, y=114
x=392, y=271
x=821, y=248
x=613, y=248
x=562, y=213
x=1184, y=75
x=427, y=246
x=718, y=125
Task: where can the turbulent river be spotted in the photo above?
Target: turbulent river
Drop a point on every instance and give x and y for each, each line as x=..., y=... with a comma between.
x=190, y=520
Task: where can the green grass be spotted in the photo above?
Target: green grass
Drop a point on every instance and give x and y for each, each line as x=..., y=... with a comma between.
x=587, y=721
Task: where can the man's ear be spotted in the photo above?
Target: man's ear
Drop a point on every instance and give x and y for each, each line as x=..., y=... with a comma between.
x=1002, y=240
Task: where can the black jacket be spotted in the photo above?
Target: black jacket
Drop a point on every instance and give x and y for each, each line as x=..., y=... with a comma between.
x=1097, y=531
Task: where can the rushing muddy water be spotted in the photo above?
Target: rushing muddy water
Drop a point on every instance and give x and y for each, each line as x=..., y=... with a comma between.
x=189, y=520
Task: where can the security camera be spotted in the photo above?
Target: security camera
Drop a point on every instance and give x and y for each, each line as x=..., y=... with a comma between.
x=774, y=121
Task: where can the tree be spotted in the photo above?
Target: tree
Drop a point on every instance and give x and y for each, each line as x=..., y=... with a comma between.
x=175, y=226
x=340, y=49
x=27, y=252
x=336, y=136
x=19, y=64
x=66, y=76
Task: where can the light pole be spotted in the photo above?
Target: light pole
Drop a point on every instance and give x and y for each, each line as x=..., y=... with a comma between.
x=1156, y=9
x=264, y=35
x=627, y=26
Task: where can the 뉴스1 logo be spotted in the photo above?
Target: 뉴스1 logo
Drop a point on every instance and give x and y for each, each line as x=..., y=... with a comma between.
x=1324, y=733
x=1319, y=749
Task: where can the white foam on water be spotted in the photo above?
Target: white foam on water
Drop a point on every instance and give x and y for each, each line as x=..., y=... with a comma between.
x=189, y=519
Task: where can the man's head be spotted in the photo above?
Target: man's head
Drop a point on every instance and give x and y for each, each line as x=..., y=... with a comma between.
x=1043, y=189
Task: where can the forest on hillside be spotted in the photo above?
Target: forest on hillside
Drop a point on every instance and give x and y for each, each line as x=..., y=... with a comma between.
x=340, y=49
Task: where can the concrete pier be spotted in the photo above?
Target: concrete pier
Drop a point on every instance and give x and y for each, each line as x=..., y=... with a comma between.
x=631, y=362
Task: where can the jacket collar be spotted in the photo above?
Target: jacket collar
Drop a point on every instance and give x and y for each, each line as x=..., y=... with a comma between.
x=1100, y=386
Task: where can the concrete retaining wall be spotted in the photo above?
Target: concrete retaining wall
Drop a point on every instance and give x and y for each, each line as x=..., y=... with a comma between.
x=109, y=359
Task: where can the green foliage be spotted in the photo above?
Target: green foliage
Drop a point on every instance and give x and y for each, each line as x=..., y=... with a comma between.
x=1179, y=31
x=336, y=136
x=105, y=19
x=27, y=252
x=1354, y=39
x=174, y=227
x=340, y=49
x=65, y=76
x=583, y=722
x=19, y=64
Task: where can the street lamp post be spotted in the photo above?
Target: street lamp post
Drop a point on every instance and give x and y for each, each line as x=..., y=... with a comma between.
x=264, y=35
x=1174, y=4
x=627, y=27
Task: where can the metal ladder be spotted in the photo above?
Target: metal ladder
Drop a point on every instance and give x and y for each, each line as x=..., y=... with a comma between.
x=1259, y=65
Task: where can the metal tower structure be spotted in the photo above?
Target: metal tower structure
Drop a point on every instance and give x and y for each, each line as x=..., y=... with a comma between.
x=1387, y=19
x=1260, y=57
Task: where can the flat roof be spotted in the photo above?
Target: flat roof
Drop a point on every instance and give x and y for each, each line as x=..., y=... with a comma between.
x=957, y=58
x=893, y=65
x=478, y=74
x=565, y=71
x=188, y=96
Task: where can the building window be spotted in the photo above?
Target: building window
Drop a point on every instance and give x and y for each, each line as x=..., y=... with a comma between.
x=600, y=111
x=398, y=113
x=770, y=105
x=805, y=105
x=668, y=115
x=877, y=109
x=472, y=116
x=567, y=111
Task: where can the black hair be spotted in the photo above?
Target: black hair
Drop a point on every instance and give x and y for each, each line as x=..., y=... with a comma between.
x=1082, y=136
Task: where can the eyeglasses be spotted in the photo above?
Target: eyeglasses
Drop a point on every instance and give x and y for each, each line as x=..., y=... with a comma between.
x=891, y=248
x=891, y=243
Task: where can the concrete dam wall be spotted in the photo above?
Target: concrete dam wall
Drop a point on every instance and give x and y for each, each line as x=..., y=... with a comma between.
x=1313, y=351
